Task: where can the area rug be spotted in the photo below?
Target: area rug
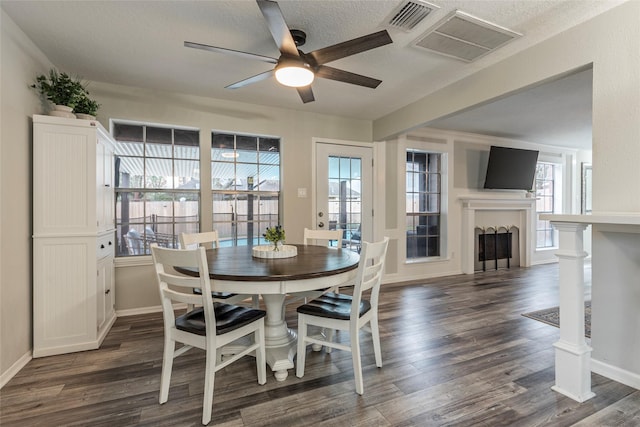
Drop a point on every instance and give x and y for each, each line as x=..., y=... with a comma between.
x=551, y=316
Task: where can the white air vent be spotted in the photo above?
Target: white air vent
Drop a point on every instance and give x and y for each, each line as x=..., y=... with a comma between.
x=409, y=14
x=464, y=37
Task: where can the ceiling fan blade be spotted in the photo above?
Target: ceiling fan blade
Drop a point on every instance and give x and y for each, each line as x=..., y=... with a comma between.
x=306, y=94
x=231, y=51
x=350, y=47
x=327, y=72
x=251, y=80
x=278, y=27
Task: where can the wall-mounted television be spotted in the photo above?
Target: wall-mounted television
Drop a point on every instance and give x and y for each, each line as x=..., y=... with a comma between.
x=511, y=168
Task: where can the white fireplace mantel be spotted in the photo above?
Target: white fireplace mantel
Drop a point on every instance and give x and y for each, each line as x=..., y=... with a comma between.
x=472, y=204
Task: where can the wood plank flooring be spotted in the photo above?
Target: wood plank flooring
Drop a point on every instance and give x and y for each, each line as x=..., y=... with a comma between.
x=456, y=352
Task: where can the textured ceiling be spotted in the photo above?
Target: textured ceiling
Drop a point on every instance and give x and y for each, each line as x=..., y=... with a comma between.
x=140, y=43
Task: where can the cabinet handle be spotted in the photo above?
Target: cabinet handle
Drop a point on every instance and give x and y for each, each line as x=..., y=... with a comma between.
x=107, y=185
x=107, y=291
x=109, y=242
x=101, y=246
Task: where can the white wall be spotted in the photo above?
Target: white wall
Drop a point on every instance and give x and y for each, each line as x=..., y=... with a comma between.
x=21, y=63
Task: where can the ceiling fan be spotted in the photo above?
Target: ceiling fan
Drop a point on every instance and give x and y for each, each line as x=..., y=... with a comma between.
x=298, y=69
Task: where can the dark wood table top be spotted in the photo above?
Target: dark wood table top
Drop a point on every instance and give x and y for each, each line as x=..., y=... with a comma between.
x=236, y=263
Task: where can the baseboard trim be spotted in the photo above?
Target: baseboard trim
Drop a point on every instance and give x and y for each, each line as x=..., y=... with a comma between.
x=146, y=310
x=15, y=368
x=617, y=374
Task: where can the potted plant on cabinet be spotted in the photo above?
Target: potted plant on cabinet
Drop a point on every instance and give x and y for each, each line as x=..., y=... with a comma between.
x=62, y=90
x=86, y=108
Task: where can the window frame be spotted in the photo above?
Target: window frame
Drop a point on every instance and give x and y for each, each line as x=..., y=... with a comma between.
x=542, y=192
x=150, y=225
x=255, y=198
x=440, y=196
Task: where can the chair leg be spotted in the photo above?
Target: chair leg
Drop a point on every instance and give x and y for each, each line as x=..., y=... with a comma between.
x=167, y=365
x=255, y=301
x=302, y=348
x=209, y=378
x=328, y=333
x=375, y=337
x=261, y=359
x=357, y=363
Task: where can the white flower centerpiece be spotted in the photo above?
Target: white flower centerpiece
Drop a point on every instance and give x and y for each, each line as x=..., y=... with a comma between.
x=277, y=249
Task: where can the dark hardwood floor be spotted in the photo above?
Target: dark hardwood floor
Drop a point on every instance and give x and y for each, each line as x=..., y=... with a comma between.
x=456, y=352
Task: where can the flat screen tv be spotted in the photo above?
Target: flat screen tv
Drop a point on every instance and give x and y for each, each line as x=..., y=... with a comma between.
x=511, y=168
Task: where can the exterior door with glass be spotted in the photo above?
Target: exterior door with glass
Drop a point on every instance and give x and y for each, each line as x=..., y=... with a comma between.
x=344, y=192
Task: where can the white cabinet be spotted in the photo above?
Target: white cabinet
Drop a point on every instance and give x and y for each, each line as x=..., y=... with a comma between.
x=73, y=235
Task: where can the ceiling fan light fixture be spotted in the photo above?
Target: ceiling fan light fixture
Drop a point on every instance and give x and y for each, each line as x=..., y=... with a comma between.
x=294, y=74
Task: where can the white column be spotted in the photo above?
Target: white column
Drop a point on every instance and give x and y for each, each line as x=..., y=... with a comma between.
x=573, y=355
x=468, y=238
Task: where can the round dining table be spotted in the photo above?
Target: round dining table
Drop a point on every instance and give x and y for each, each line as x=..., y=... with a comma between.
x=234, y=269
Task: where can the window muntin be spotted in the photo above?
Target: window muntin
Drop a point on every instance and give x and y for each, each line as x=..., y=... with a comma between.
x=545, y=203
x=157, y=187
x=245, y=181
x=423, y=183
x=345, y=199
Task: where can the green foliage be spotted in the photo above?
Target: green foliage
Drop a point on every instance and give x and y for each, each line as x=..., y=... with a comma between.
x=59, y=88
x=86, y=105
x=274, y=235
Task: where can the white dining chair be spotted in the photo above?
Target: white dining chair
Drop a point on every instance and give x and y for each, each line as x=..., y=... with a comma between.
x=347, y=313
x=211, y=240
x=324, y=237
x=208, y=327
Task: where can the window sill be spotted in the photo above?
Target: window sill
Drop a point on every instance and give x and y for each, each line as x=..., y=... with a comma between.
x=426, y=260
x=133, y=261
x=550, y=248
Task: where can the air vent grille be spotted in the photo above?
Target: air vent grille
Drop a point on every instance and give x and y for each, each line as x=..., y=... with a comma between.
x=464, y=37
x=409, y=14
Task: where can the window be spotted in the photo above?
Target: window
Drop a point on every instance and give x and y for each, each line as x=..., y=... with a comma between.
x=546, y=198
x=157, y=185
x=345, y=199
x=245, y=181
x=423, y=206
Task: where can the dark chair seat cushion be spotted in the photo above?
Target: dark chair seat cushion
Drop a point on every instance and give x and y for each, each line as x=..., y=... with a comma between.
x=215, y=295
x=228, y=318
x=333, y=306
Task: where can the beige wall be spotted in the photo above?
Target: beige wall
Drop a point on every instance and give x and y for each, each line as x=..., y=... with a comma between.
x=21, y=61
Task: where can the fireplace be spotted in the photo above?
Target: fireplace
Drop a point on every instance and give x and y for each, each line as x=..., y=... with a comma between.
x=481, y=213
x=494, y=248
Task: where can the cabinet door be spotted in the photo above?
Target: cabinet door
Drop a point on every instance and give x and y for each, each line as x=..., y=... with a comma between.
x=104, y=186
x=109, y=190
x=63, y=195
x=110, y=287
x=105, y=300
x=100, y=185
x=101, y=292
x=64, y=295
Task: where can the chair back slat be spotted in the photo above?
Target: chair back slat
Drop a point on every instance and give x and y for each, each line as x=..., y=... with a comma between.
x=181, y=281
x=370, y=272
x=178, y=288
x=312, y=236
x=182, y=297
x=208, y=239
